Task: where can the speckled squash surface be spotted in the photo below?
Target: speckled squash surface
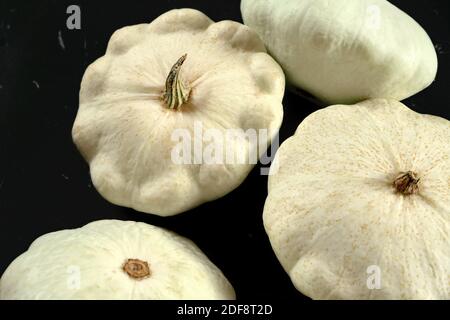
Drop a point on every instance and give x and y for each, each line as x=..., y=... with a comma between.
x=359, y=189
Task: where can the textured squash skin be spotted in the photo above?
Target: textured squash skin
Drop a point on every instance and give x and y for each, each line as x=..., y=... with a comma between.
x=87, y=263
x=124, y=130
x=345, y=51
x=333, y=214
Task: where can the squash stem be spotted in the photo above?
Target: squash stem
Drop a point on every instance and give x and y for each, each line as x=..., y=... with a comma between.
x=136, y=269
x=176, y=92
x=407, y=183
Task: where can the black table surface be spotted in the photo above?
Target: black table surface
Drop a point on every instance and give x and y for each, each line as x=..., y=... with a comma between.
x=44, y=182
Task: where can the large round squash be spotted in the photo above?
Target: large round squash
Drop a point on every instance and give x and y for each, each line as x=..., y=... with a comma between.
x=345, y=51
x=359, y=203
x=111, y=259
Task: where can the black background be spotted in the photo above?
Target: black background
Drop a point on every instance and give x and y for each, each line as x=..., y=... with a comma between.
x=44, y=182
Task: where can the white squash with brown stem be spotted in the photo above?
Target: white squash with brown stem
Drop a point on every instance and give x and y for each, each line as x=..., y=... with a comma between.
x=359, y=206
x=113, y=259
x=168, y=75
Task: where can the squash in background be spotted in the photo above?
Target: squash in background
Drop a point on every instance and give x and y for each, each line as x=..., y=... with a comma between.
x=345, y=51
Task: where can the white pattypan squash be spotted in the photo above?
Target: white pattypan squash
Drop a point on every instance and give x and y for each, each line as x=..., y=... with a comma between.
x=345, y=51
x=359, y=207
x=111, y=259
x=179, y=71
